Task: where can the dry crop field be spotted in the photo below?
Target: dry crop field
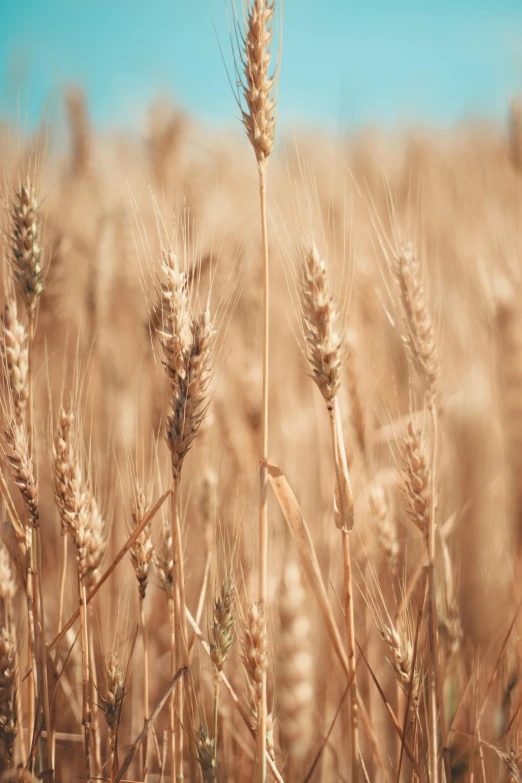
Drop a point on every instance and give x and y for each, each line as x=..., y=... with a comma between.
x=261, y=449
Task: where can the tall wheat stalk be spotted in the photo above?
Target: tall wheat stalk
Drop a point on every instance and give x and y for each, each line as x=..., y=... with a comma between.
x=141, y=555
x=419, y=339
x=74, y=504
x=258, y=107
x=187, y=346
x=26, y=264
x=324, y=352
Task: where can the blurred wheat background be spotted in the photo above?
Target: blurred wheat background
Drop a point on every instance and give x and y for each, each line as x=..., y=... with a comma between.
x=329, y=589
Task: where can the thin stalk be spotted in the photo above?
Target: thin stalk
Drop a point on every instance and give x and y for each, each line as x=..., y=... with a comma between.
x=217, y=687
x=435, y=704
x=143, y=630
x=420, y=614
x=182, y=635
x=172, y=700
x=36, y=548
x=342, y=474
x=43, y=651
x=31, y=647
x=201, y=604
x=95, y=729
x=84, y=639
x=30, y=382
x=350, y=636
x=181, y=627
x=63, y=579
x=19, y=710
x=263, y=475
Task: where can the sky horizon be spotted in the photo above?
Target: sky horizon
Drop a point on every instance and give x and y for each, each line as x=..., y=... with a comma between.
x=349, y=66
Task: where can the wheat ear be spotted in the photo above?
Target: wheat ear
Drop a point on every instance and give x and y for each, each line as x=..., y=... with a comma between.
x=223, y=632
x=111, y=702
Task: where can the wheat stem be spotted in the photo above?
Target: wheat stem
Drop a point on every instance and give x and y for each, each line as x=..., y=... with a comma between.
x=172, y=700
x=84, y=641
x=31, y=648
x=43, y=652
x=346, y=516
x=61, y=598
x=263, y=493
x=95, y=728
x=143, y=631
x=350, y=635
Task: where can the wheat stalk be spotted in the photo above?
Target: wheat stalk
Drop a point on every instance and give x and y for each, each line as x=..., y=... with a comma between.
x=420, y=342
x=141, y=554
x=73, y=500
x=257, y=100
x=187, y=346
x=325, y=351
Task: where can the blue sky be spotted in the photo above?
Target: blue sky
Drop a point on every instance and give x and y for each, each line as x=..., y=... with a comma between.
x=345, y=63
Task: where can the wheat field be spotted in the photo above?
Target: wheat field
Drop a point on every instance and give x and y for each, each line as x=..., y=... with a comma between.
x=261, y=452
